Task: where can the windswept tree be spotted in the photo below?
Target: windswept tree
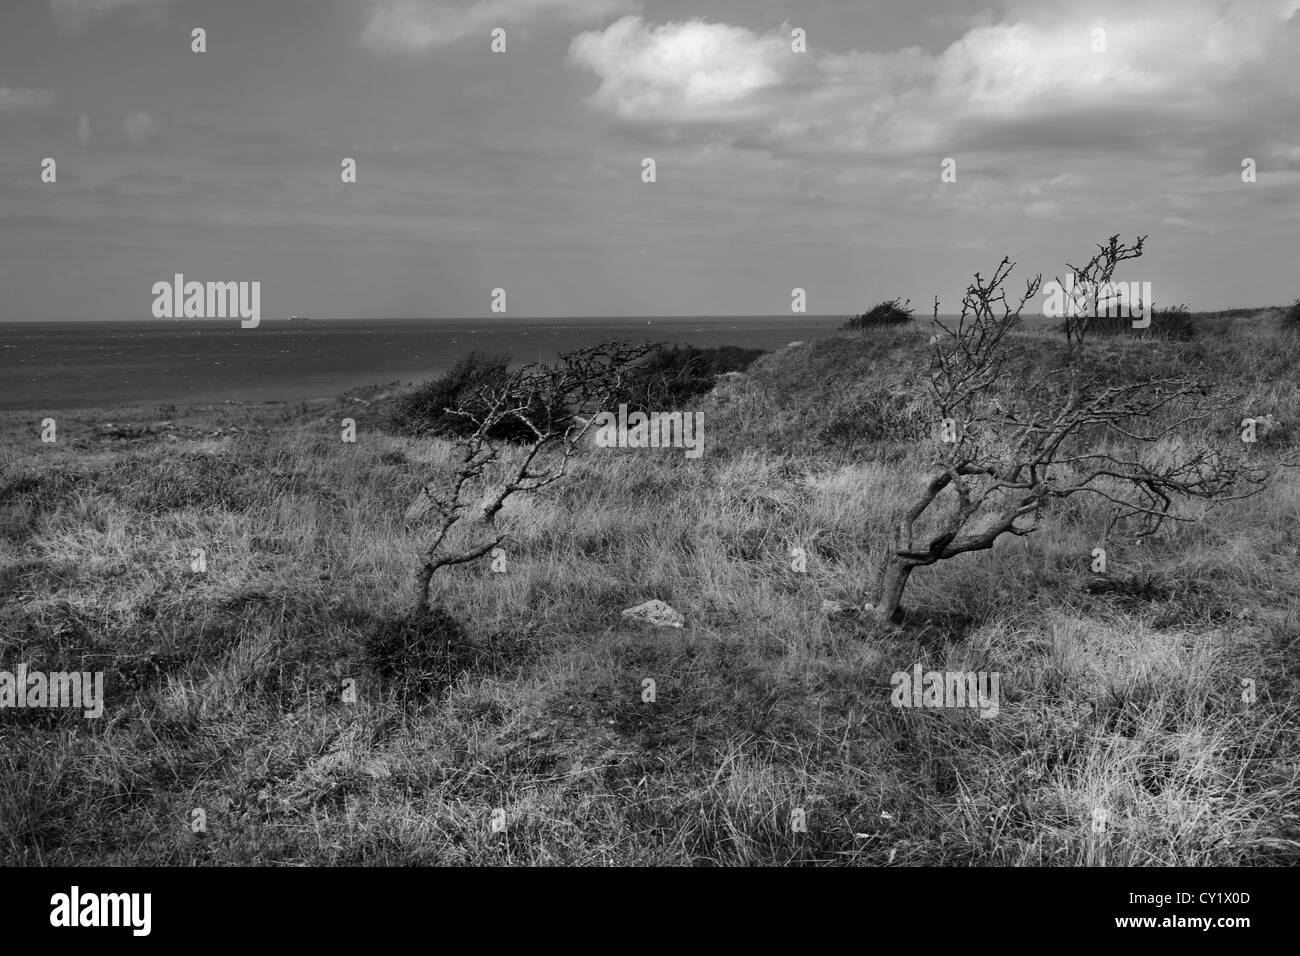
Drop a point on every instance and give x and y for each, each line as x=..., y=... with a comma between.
x=548, y=408
x=1009, y=443
x=887, y=313
x=1092, y=292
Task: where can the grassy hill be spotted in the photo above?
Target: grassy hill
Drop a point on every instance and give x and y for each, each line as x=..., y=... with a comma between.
x=1120, y=691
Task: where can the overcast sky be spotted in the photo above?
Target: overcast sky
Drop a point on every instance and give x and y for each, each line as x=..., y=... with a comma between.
x=775, y=168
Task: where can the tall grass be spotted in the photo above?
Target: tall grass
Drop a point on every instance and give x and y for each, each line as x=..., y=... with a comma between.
x=1122, y=692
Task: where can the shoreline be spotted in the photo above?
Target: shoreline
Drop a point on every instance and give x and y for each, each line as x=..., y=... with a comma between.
x=210, y=400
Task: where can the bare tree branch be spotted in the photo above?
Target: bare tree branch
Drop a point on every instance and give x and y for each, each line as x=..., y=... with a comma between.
x=556, y=406
x=1010, y=447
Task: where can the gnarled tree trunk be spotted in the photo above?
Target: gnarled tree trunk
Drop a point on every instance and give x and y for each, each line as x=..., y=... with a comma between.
x=887, y=599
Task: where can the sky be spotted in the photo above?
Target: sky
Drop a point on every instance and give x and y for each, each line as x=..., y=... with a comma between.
x=795, y=145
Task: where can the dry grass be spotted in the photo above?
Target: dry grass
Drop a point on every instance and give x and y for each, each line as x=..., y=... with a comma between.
x=1121, y=693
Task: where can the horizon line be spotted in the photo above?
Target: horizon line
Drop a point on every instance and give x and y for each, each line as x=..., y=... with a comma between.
x=552, y=318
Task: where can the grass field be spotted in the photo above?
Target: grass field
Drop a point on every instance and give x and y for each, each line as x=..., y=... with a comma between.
x=1121, y=692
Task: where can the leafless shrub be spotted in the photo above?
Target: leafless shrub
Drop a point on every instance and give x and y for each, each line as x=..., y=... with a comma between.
x=555, y=406
x=1008, y=446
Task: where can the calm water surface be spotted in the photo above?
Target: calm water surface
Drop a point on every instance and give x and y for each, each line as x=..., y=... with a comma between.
x=92, y=364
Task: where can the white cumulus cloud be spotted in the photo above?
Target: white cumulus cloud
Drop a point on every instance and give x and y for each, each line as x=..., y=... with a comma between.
x=681, y=71
x=1033, y=72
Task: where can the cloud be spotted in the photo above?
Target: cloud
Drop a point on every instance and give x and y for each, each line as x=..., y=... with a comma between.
x=139, y=127
x=1176, y=53
x=414, y=26
x=688, y=71
x=1023, y=82
x=76, y=14
x=19, y=100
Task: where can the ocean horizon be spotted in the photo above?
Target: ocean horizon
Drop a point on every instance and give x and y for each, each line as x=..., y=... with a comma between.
x=46, y=365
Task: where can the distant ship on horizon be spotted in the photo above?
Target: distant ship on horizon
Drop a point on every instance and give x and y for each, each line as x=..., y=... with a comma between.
x=299, y=318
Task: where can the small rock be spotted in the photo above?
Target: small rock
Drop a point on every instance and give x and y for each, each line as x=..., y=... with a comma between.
x=1266, y=426
x=656, y=612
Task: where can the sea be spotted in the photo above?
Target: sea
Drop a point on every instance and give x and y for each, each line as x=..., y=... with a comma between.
x=92, y=364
